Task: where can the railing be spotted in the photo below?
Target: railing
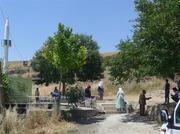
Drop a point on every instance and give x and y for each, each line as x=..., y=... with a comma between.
x=44, y=101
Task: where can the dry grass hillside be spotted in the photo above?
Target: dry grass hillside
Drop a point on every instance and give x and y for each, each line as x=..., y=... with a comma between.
x=106, y=54
x=152, y=84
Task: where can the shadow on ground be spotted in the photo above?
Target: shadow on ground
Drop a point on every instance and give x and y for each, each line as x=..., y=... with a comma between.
x=135, y=117
x=91, y=120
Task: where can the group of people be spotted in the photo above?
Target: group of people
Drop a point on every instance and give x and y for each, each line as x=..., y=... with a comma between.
x=56, y=94
x=175, y=97
x=100, y=90
x=121, y=104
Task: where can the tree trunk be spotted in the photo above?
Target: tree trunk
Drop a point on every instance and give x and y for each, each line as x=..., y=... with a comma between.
x=63, y=88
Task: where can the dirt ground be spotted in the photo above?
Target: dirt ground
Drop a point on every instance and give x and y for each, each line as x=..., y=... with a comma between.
x=124, y=123
x=117, y=124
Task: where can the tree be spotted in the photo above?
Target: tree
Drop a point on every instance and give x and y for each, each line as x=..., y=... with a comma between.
x=93, y=68
x=47, y=72
x=158, y=30
x=62, y=51
x=154, y=47
x=128, y=63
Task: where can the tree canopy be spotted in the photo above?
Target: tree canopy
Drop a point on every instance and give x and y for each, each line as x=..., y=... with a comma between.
x=91, y=70
x=154, y=47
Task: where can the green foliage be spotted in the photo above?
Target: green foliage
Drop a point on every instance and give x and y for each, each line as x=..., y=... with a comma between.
x=66, y=54
x=158, y=29
x=16, y=89
x=62, y=51
x=75, y=94
x=19, y=89
x=47, y=72
x=5, y=83
x=154, y=48
x=127, y=64
x=93, y=68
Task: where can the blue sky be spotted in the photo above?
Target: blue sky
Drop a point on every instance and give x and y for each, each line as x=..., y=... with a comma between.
x=32, y=21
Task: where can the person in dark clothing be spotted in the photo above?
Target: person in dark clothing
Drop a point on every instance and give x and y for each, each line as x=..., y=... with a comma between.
x=167, y=91
x=88, y=91
x=37, y=94
x=176, y=96
x=142, y=102
x=56, y=90
x=178, y=84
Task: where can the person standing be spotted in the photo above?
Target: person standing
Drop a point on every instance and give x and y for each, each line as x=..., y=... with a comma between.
x=88, y=92
x=120, y=103
x=142, y=102
x=176, y=96
x=178, y=84
x=100, y=90
x=37, y=94
x=56, y=90
x=167, y=91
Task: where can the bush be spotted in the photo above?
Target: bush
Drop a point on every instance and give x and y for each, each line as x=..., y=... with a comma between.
x=16, y=89
x=74, y=95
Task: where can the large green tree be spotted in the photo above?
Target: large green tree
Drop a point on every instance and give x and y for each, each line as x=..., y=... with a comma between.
x=127, y=64
x=93, y=69
x=47, y=72
x=157, y=30
x=63, y=52
x=155, y=45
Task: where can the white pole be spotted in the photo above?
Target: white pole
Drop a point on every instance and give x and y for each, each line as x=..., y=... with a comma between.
x=6, y=45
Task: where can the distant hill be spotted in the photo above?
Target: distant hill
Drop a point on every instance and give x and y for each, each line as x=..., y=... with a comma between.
x=20, y=68
x=18, y=64
x=106, y=54
x=23, y=68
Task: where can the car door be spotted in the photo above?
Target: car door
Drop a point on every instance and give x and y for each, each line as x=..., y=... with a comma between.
x=176, y=128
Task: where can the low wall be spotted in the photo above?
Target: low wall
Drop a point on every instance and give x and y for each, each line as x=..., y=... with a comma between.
x=75, y=114
x=153, y=111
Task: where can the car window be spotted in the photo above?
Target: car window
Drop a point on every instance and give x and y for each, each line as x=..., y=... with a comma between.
x=178, y=115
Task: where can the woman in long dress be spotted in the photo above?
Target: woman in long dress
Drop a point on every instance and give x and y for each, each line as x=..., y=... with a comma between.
x=120, y=102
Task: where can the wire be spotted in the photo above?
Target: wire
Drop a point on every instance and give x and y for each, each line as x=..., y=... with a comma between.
x=17, y=50
x=2, y=13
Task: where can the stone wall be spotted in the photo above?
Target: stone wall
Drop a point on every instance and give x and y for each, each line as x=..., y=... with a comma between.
x=153, y=111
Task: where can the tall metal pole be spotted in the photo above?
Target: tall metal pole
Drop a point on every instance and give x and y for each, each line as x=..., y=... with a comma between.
x=6, y=44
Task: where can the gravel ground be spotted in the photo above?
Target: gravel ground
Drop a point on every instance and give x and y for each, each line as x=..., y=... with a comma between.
x=118, y=124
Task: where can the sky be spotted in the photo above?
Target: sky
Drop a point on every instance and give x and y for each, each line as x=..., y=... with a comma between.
x=32, y=21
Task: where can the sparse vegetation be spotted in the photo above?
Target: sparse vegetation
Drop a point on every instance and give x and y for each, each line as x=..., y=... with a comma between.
x=34, y=123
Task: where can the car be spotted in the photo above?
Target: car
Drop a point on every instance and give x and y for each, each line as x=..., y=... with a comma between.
x=171, y=124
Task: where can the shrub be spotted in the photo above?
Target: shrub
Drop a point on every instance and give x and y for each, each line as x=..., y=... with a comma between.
x=74, y=95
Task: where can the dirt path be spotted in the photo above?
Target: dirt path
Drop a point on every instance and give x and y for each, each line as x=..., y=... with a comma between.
x=118, y=124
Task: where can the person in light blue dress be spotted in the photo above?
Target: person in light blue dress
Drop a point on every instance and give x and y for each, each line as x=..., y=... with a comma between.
x=120, y=102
